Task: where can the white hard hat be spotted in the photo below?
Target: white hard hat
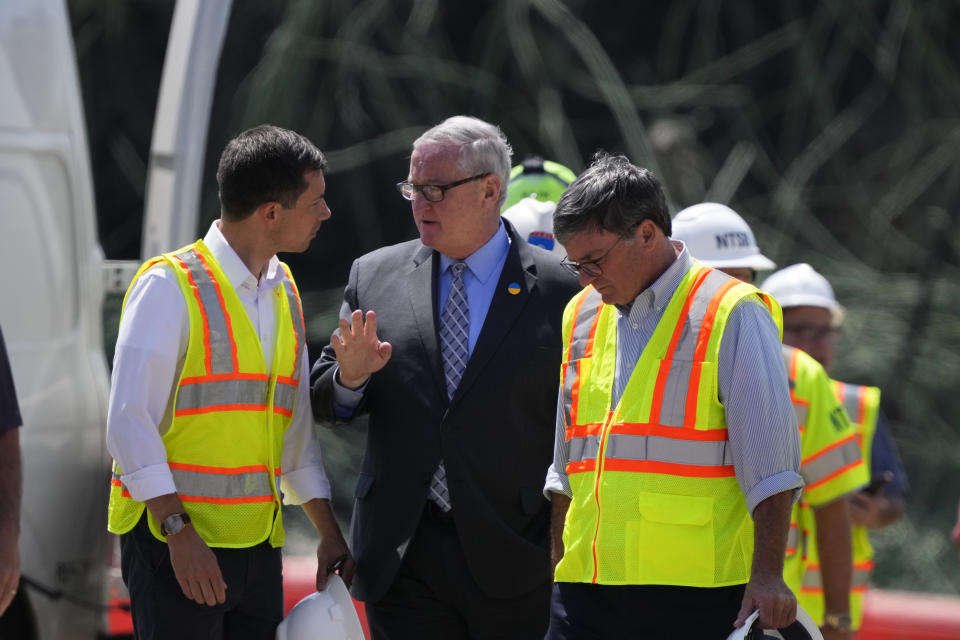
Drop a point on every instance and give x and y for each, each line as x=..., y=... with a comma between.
x=718, y=237
x=533, y=220
x=803, y=628
x=324, y=615
x=799, y=285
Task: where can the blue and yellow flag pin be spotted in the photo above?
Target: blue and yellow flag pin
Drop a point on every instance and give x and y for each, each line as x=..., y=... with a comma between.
x=513, y=288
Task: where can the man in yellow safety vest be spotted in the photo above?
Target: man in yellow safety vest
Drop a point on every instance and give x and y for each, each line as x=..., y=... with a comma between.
x=209, y=421
x=831, y=465
x=812, y=317
x=677, y=453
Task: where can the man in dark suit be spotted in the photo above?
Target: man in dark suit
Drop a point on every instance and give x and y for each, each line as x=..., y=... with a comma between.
x=452, y=344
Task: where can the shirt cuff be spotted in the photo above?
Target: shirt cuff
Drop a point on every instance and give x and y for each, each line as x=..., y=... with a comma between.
x=556, y=483
x=149, y=482
x=772, y=485
x=305, y=484
x=345, y=401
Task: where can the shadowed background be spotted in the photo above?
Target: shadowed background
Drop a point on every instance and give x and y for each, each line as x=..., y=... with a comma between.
x=833, y=127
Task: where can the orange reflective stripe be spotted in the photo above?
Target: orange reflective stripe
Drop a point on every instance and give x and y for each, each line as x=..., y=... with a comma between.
x=703, y=340
x=184, y=466
x=669, y=468
x=674, y=433
x=221, y=377
x=211, y=500
x=833, y=475
x=220, y=407
x=827, y=449
x=584, y=430
x=664, y=371
x=573, y=325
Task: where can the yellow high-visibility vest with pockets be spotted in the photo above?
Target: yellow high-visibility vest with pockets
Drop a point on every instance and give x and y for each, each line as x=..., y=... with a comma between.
x=862, y=404
x=225, y=439
x=830, y=461
x=655, y=497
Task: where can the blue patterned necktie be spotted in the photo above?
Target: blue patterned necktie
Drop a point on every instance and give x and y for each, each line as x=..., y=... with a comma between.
x=455, y=349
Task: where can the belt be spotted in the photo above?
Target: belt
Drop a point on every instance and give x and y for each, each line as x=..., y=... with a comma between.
x=433, y=512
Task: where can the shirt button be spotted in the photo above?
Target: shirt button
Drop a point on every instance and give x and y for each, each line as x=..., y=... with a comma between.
x=636, y=326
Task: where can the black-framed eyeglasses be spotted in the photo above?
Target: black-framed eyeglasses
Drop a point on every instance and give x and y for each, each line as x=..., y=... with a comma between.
x=433, y=192
x=590, y=268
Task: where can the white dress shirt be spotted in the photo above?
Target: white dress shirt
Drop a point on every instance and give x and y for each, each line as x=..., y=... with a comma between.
x=151, y=347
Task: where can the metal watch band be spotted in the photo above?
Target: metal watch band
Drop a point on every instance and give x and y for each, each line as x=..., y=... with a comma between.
x=838, y=621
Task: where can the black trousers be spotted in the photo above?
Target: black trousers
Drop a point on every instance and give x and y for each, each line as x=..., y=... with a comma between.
x=160, y=610
x=434, y=596
x=581, y=611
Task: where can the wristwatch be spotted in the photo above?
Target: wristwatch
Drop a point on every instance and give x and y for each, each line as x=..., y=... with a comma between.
x=174, y=524
x=838, y=621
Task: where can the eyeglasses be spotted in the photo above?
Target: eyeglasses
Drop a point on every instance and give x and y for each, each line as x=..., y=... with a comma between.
x=590, y=268
x=811, y=333
x=433, y=192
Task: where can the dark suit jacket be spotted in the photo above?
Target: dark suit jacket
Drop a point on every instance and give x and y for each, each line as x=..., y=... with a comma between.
x=495, y=435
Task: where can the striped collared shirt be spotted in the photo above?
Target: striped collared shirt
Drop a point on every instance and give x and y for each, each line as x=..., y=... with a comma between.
x=752, y=380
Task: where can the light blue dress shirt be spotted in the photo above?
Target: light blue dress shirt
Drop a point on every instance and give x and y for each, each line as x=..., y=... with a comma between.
x=752, y=381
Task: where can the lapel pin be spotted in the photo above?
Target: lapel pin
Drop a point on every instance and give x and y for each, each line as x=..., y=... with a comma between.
x=513, y=288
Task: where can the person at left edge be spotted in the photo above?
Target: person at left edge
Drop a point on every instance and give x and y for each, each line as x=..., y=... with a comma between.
x=465, y=556
x=209, y=418
x=11, y=483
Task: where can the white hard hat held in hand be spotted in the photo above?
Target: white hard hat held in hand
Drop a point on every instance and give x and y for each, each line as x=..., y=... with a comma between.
x=803, y=628
x=718, y=237
x=324, y=615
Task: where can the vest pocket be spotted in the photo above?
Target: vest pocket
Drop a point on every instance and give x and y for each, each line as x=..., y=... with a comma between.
x=672, y=542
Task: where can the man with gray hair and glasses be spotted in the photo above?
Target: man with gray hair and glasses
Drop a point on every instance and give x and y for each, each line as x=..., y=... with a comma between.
x=677, y=451
x=451, y=343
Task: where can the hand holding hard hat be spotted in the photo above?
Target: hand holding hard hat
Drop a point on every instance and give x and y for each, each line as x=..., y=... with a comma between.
x=803, y=628
x=324, y=615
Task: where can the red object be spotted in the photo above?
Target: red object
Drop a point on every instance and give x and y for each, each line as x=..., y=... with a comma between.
x=300, y=580
x=901, y=615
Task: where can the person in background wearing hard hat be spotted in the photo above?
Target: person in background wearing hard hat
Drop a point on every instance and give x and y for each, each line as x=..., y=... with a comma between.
x=535, y=186
x=209, y=420
x=674, y=427
x=831, y=465
x=11, y=485
x=811, y=318
x=451, y=342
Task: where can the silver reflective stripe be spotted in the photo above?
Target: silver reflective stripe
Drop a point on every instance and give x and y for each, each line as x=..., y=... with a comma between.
x=851, y=401
x=585, y=448
x=823, y=465
x=221, y=485
x=285, y=396
x=221, y=392
x=793, y=539
x=584, y=323
x=799, y=408
x=622, y=446
x=673, y=409
x=813, y=580
x=297, y=325
x=578, y=348
x=221, y=353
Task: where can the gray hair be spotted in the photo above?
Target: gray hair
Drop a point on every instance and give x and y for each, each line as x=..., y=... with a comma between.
x=611, y=195
x=483, y=147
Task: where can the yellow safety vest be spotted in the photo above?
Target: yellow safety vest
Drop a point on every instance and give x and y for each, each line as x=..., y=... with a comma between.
x=225, y=438
x=862, y=404
x=655, y=497
x=831, y=465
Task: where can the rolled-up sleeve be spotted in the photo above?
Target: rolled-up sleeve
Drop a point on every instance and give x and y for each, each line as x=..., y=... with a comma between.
x=761, y=423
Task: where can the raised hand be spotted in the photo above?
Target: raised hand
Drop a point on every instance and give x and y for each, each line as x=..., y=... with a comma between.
x=359, y=351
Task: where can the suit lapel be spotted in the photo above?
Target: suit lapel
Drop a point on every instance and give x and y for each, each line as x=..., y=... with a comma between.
x=422, y=292
x=518, y=271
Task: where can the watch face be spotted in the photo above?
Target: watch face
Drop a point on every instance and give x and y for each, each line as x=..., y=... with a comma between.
x=173, y=524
